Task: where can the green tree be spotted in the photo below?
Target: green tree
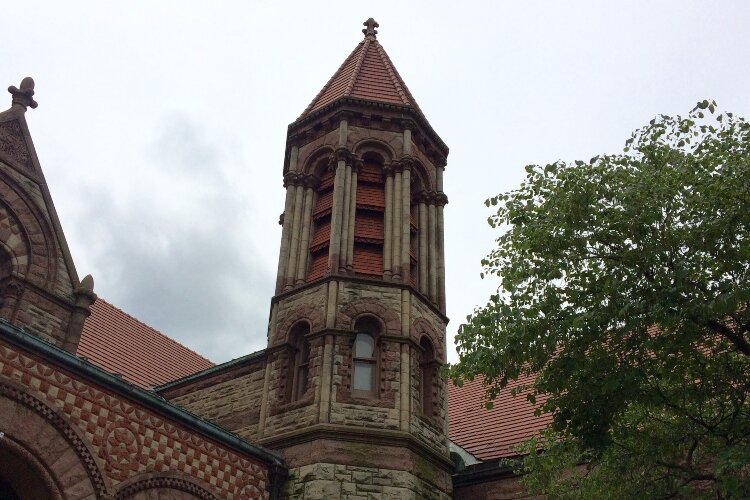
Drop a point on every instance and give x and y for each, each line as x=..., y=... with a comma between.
x=625, y=288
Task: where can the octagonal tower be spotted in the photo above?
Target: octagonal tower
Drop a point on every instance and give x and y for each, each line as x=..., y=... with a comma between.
x=357, y=329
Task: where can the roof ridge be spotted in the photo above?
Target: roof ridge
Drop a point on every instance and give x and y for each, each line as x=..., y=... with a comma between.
x=358, y=67
x=395, y=77
x=330, y=81
x=99, y=299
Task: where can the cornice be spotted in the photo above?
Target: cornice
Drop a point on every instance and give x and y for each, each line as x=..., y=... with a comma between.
x=409, y=117
x=382, y=437
x=367, y=281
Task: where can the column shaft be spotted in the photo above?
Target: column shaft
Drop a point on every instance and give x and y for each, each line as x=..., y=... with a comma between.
x=388, y=232
x=441, y=259
x=405, y=225
x=304, y=245
x=432, y=251
x=291, y=269
x=397, y=223
x=345, y=207
x=286, y=230
x=423, y=245
x=338, y=200
x=352, y=222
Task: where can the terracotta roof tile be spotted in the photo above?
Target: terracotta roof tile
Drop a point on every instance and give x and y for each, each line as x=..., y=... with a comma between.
x=491, y=434
x=119, y=343
x=367, y=73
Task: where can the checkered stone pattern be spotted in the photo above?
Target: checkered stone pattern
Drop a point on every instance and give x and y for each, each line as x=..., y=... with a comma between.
x=127, y=439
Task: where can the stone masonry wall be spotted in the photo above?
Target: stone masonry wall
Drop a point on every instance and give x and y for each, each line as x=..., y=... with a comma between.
x=332, y=481
x=232, y=401
x=113, y=444
x=62, y=284
x=379, y=412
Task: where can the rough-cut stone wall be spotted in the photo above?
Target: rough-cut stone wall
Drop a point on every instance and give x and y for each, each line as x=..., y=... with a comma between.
x=287, y=414
x=106, y=443
x=308, y=304
x=378, y=412
x=231, y=400
x=333, y=481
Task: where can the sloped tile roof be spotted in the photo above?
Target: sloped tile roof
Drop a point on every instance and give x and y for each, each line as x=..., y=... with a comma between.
x=368, y=74
x=492, y=434
x=119, y=343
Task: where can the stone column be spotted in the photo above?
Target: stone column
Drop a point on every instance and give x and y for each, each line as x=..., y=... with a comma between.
x=397, y=223
x=286, y=230
x=405, y=380
x=423, y=245
x=291, y=269
x=406, y=222
x=352, y=220
x=324, y=397
x=432, y=251
x=345, y=208
x=388, y=223
x=404, y=387
x=304, y=245
x=442, y=200
x=334, y=250
x=332, y=303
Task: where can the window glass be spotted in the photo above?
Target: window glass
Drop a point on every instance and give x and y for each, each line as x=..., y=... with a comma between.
x=364, y=346
x=363, y=372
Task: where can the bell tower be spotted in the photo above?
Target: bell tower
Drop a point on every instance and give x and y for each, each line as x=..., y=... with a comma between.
x=353, y=397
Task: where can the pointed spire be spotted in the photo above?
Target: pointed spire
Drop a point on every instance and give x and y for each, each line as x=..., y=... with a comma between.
x=23, y=97
x=367, y=74
x=370, y=26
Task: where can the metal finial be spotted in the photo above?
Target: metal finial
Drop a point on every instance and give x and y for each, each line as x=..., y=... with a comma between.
x=370, y=26
x=23, y=96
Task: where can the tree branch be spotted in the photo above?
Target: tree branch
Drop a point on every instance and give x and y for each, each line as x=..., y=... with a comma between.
x=738, y=340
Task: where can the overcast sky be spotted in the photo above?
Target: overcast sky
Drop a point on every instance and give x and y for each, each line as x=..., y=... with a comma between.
x=161, y=125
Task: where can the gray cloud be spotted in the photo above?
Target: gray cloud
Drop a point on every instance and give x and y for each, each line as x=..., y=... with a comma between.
x=183, y=258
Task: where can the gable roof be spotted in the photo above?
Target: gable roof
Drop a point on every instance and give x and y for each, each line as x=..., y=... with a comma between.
x=120, y=344
x=368, y=74
x=492, y=434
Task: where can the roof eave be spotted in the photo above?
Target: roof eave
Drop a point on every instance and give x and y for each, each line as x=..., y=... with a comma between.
x=84, y=369
x=347, y=102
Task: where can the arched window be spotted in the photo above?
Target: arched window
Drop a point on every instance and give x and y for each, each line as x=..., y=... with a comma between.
x=427, y=371
x=301, y=365
x=365, y=359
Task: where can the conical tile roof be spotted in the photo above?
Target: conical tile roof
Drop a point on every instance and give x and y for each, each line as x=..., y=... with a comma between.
x=368, y=74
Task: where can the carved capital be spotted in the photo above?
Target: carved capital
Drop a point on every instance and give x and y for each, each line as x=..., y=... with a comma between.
x=441, y=199
x=406, y=162
x=407, y=124
x=292, y=179
x=423, y=197
x=343, y=154
x=310, y=181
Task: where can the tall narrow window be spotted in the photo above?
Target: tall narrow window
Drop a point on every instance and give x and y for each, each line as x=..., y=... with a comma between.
x=320, y=238
x=368, y=224
x=427, y=369
x=301, y=364
x=364, y=373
